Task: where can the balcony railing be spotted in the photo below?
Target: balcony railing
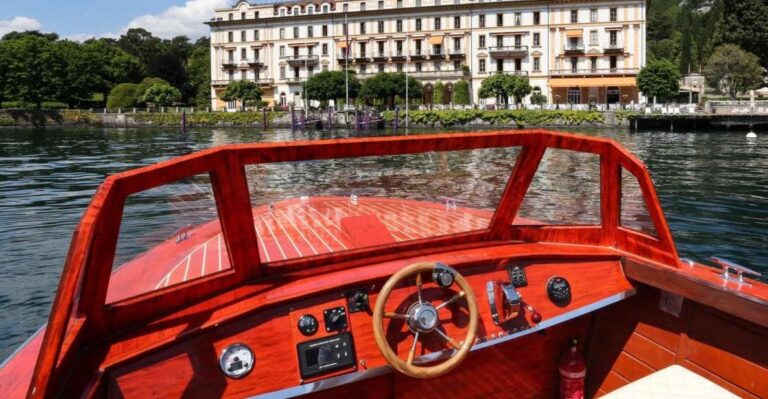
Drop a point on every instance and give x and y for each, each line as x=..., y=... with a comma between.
x=457, y=53
x=254, y=61
x=617, y=46
x=573, y=47
x=398, y=54
x=594, y=72
x=228, y=63
x=437, y=53
x=512, y=72
x=294, y=80
x=380, y=54
x=310, y=59
x=508, y=51
x=260, y=81
x=418, y=54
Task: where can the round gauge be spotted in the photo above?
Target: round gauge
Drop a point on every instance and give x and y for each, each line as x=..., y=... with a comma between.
x=236, y=360
x=308, y=324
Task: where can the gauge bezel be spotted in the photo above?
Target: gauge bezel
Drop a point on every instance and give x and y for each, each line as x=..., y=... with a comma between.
x=249, y=368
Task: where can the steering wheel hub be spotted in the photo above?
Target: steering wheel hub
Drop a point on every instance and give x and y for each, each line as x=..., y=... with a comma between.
x=422, y=317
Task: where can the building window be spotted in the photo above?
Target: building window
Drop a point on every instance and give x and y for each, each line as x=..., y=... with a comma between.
x=256, y=54
x=481, y=66
x=614, y=14
x=500, y=65
x=362, y=28
x=418, y=23
x=499, y=19
x=282, y=51
x=399, y=25
x=457, y=44
x=481, y=21
x=345, y=7
x=310, y=10
x=310, y=31
x=256, y=15
x=325, y=68
x=499, y=41
x=438, y=23
x=256, y=35
x=593, y=38
x=456, y=65
x=418, y=67
x=536, y=18
x=325, y=9
x=456, y=22
x=438, y=66
x=362, y=6
x=613, y=38
x=574, y=95
x=310, y=50
x=362, y=68
x=381, y=5
x=344, y=29
x=242, y=15
x=418, y=46
x=518, y=18
x=325, y=48
x=574, y=16
x=399, y=3
x=242, y=36
x=593, y=64
x=537, y=39
x=282, y=33
x=282, y=72
x=481, y=41
x=381, y=26
x=381, y=68
x=536, y=64
x=400, y=67
x=231, y=17
x=282, y=12
x=593, y=15
x=418, y=3
x=325, y=30
x=230, y=37
x=614, y=62
x=295, y=32
x=574, y=64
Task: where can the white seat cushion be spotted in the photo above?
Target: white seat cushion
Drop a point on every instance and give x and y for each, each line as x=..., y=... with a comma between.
x=671, y=383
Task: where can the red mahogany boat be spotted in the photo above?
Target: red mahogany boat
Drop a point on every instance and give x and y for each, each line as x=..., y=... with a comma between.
x=415, y=267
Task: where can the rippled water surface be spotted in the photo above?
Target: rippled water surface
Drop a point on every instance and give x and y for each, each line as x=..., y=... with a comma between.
x=713, y=186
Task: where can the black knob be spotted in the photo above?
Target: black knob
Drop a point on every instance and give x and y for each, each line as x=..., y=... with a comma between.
x=308, y=324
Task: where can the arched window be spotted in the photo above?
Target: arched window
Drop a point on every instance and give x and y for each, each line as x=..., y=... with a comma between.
x=296, y=10
x=310, y=9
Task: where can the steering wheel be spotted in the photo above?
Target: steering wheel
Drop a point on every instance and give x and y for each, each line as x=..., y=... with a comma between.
x=422, y=319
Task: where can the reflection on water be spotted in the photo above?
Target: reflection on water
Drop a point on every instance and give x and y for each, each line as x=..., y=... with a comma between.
x=712, y=186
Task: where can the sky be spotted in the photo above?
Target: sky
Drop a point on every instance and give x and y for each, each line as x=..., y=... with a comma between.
x=82, y=19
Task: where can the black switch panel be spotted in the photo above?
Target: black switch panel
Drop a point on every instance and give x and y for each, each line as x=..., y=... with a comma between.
x=326, y=354
x=335, y=319
x=357, y=301
x=517, y=276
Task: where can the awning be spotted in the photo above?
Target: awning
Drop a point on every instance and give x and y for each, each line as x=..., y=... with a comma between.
x=341, y=44
x=574, y=33
x=436, y=40
x=593, y=82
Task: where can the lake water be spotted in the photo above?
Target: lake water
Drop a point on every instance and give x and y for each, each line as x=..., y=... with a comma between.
x=713, y=186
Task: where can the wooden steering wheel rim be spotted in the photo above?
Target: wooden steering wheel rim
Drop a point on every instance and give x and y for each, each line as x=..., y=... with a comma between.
x=381, y=340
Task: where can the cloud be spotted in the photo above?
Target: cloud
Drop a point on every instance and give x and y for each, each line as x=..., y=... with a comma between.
x=19, y=24
x=179, y=20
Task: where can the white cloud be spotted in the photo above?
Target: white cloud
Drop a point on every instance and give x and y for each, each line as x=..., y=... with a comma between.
x=179, y=20
x=19, y=24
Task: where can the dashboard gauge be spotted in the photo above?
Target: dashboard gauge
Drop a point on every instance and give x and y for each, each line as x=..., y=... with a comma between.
x=236, y=360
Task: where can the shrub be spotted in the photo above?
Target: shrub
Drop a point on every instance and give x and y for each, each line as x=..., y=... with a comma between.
x=538, y=98
x=124, y=95
x=461, y=92
x=162, y=95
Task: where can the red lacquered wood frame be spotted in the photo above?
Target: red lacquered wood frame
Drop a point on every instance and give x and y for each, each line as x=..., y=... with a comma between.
x=82, y=290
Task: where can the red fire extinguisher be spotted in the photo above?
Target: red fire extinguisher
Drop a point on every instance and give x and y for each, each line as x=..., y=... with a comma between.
x=573, y=370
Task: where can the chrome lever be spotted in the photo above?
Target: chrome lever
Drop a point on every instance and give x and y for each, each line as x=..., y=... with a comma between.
x=727, y=265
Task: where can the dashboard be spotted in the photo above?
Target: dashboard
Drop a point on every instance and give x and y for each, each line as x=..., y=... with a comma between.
x=327, y=339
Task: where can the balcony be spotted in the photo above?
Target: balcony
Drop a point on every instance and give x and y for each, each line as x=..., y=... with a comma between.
x=418, y=54
x=594, y=72
x=508, y=51
x=445, y=74
x=361, y=57
x=513, y=72
x=380, y=55
x=294, y=80
x=229, y=63
x=259, y=81
x=457, y=54
x=615, y=47
x=299, y=60
x=573, y=48
x=265, y=81
x=398, y=55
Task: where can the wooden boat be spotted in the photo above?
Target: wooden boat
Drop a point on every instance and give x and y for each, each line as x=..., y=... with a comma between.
x=372, y=296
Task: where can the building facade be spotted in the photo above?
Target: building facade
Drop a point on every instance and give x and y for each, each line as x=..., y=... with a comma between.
x=576, y=52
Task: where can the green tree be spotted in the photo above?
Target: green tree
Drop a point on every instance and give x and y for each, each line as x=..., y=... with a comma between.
x=667, y=49
x=331, y=85
x=744, y=23
x=518, y=87
x=108, y=65
x=5, y=61
x=146, y=83
x=659, y=79
x=36, y=70
x=733, y=70
x=124, y=95
x=199, y=72
x=538, y=98
x=495, y=86
x=162, y=95
x=388, y=86
x=437, y=92
x=660, y=26
x=461, y=92
x=245, y=91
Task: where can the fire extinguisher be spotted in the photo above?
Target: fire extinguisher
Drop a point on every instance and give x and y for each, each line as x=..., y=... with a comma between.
x=573, y=370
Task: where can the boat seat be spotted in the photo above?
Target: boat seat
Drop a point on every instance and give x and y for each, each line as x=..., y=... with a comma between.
x=671, y=383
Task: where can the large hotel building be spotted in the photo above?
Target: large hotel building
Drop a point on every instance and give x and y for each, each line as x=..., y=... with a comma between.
x=576, y=52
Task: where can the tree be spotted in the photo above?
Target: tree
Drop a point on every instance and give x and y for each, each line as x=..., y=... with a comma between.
x=124, y=95
x=36, y=70
x=4, y=71
x=461, y=92
x=659, y=79
x=518, y=87
x=245, y=91
x=538, y=98
x=331, y=85
x=146, y=83
x=660, y=26
x=387, y=86
x=667, y=49
x=162, y=95
x=733, y=70
x=199, y=72
x=744, y=23
x=437, y=92
x=109, y=65
x=494, y=86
